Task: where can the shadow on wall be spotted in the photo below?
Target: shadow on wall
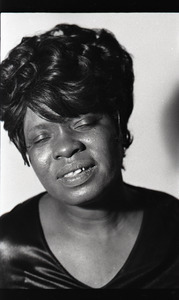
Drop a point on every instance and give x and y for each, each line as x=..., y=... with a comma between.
x=171, y=128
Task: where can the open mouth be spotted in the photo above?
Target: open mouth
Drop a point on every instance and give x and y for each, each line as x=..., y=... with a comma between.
x=77, y=176
x=75, y=172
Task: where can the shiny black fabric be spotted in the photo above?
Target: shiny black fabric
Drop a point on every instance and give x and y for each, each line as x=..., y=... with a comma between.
x=26, y=261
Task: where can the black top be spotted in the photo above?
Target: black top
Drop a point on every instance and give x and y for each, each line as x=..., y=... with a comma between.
x=26, y=260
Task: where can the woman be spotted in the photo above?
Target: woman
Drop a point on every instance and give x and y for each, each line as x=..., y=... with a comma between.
x=67, y=96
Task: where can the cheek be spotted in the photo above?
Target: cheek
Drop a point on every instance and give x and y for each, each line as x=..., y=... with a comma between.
x=111, y=156
x=40, y=161
x=108, y=150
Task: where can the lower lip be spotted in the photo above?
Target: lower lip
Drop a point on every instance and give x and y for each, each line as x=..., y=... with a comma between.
x=78, y=179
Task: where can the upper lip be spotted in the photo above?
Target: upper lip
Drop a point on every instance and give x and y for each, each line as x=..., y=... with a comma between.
x=71, y=167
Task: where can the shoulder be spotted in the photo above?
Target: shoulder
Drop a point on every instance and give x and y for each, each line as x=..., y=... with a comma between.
x=159, y=237
x=19, y=213
x=151, y=196
x=15, y=224
x=161, y=200
x=161, y=217
x=157, y=203
x=18, y=228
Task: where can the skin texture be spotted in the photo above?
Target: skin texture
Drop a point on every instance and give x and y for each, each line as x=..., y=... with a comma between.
x=81, y=214
x=56, y=149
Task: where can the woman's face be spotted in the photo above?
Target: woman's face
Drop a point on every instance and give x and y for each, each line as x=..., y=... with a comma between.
x=76, y=161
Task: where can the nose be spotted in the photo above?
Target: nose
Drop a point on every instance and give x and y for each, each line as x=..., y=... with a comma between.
x=66, y=144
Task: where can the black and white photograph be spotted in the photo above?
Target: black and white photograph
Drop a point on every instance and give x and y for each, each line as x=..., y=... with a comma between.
x=89, y=185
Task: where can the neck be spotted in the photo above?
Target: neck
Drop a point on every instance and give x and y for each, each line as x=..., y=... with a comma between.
x=103, y=215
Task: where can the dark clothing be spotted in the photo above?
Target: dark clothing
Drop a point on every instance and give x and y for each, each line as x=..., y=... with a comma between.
x=27, y=262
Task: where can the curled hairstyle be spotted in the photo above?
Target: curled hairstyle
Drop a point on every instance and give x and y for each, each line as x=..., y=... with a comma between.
x=65, y=72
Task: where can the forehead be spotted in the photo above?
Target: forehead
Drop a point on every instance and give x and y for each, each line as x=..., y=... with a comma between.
x=32, y=119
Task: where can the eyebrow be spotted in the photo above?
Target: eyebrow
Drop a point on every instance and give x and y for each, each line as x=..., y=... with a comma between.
x=44, y=125
x=38, y=126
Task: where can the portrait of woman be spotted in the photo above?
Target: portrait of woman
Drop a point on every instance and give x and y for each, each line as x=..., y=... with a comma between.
x=67, y=96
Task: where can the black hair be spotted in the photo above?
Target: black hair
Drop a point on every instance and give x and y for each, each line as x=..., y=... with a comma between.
x=65, y=72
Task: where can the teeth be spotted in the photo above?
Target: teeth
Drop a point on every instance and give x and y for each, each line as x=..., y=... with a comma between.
x=71, y=174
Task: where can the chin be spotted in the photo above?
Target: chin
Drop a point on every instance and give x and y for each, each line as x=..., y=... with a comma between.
x=87, y=196
x=90, y=192
x=82, y=197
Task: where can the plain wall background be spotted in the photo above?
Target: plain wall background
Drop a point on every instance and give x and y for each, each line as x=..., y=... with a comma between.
x=153, y=39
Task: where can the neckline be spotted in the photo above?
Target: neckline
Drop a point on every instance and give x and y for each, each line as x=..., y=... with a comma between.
x=125, y=266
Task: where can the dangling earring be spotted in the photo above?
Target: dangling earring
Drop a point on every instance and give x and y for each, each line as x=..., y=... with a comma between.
x=119, y=125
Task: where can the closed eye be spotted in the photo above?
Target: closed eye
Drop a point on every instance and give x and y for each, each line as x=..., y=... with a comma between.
x=84, y=126
x=38, y=140
x=86, y=123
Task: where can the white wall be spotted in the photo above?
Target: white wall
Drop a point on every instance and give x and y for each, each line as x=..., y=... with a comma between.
x=153, y=39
